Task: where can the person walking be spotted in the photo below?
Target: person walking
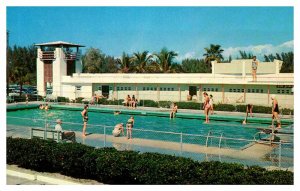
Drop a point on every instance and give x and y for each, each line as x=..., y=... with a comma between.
x=275, y=111
x=85, y=119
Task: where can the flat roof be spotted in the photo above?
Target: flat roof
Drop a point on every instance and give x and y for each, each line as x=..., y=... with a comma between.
x=59, y=43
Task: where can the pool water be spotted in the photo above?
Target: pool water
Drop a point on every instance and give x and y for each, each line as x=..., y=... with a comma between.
x=177, y=125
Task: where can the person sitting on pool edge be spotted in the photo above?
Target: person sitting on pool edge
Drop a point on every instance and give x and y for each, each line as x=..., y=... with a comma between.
x=65, y=135
x=118, y=129
x=129, y=127
x=174, y=111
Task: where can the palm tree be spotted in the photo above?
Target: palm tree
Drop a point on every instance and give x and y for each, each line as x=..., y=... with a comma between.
x=214, y=52
x=165, y=59
x=124, y=64
x=140, y=61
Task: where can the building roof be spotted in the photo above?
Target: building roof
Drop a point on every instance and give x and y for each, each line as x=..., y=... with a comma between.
x=59, y=43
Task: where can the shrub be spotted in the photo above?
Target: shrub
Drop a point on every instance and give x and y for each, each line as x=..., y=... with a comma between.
x=62, y=99
x=79, y=99
x=189, y=105
x=224, y=107
x=110, y=166
x=164, y=104
x=148, y=103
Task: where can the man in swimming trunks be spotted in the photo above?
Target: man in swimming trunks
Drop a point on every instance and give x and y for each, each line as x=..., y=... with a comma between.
x=85, y=119
x=129, y=127
x=249, y=108
x=275, y=110
x=254, y=68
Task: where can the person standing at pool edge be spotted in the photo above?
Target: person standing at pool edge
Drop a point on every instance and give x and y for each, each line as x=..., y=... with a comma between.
x=275, y=111
x=254, y=68
x=206, y=106
x=85, y=119
x=129, y=127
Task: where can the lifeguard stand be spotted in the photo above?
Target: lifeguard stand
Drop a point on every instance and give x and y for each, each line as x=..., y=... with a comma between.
x=54, y=61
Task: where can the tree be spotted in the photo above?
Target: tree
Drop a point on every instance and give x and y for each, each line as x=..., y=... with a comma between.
x=214, y=52
x=195, y=66
x=93, y=60
x=140, y=61
x=244, y=55
x=165, y=60
x=287, y=58
x=124, y=64
x=21, y=65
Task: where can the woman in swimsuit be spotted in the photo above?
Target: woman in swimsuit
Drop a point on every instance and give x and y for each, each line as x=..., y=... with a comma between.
x=206, y=107
x=85, y=119
x=275, y=111
x=129, y=127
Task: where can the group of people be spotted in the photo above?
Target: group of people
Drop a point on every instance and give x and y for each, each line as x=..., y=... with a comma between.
x=130, y=101
x=119, y=128
x=44, y=106
x=275, y=112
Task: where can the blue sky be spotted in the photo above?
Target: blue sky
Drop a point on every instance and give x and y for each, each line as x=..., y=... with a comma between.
x=186, y=30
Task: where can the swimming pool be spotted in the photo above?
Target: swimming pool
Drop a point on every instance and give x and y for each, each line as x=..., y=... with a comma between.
x=156, y=125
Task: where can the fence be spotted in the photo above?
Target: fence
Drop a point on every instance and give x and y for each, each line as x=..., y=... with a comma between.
x=212, y=146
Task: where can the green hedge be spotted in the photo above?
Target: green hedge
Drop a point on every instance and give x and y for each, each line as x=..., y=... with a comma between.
x=107, y=165
x=62, y=99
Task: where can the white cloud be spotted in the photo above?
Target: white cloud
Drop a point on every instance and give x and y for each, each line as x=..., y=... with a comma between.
x=259, y=50
x=187, y=55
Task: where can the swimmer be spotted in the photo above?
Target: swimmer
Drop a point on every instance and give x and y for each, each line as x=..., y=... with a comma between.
x=129, y=127
x=248, y=110
x=117, y=112
x=206, y=107
x=174, y=111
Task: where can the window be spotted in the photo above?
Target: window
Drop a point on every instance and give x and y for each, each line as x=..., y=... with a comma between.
x=212, y=89
x=204, y=89
x=147, y=88
x=161, y=89
x=230, y=90
x=151, y=88
x=168, y=89
x=129, y=88
x=234, y=90
x=249, y=90
x=118, y=88
x=164, y=89
x=155, y=89
x=217, y=89
x=78, y=87
x=208, y=89
x=257, y=90
x=253, y=90
x=287, y=91
x=121, y=88
x=99, y=87
x=243, y=90
x=125, y=88
x=261, y=91
x=110, y=88
x=282, y=91
x=144, y=88
x=172, y=89
x=278, y=91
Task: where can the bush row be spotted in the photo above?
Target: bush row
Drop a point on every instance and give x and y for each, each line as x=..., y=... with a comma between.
x=107, y=165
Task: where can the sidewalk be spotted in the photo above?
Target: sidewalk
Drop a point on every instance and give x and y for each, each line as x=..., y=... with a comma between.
x=20, y=176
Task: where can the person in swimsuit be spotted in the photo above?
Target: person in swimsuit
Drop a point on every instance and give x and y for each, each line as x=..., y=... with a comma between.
x=174, y=111
x=254, y=68
x=206, y=106
x=249, y=108
x=129, y=127
x=118, y=129
x=85, y=119
x=275, y=111
x=211, y=103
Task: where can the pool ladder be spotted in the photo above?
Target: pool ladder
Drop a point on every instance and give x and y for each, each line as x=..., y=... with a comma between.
x=209, y=135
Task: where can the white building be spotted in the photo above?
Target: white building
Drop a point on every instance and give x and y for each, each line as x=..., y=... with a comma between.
x=228, y=83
